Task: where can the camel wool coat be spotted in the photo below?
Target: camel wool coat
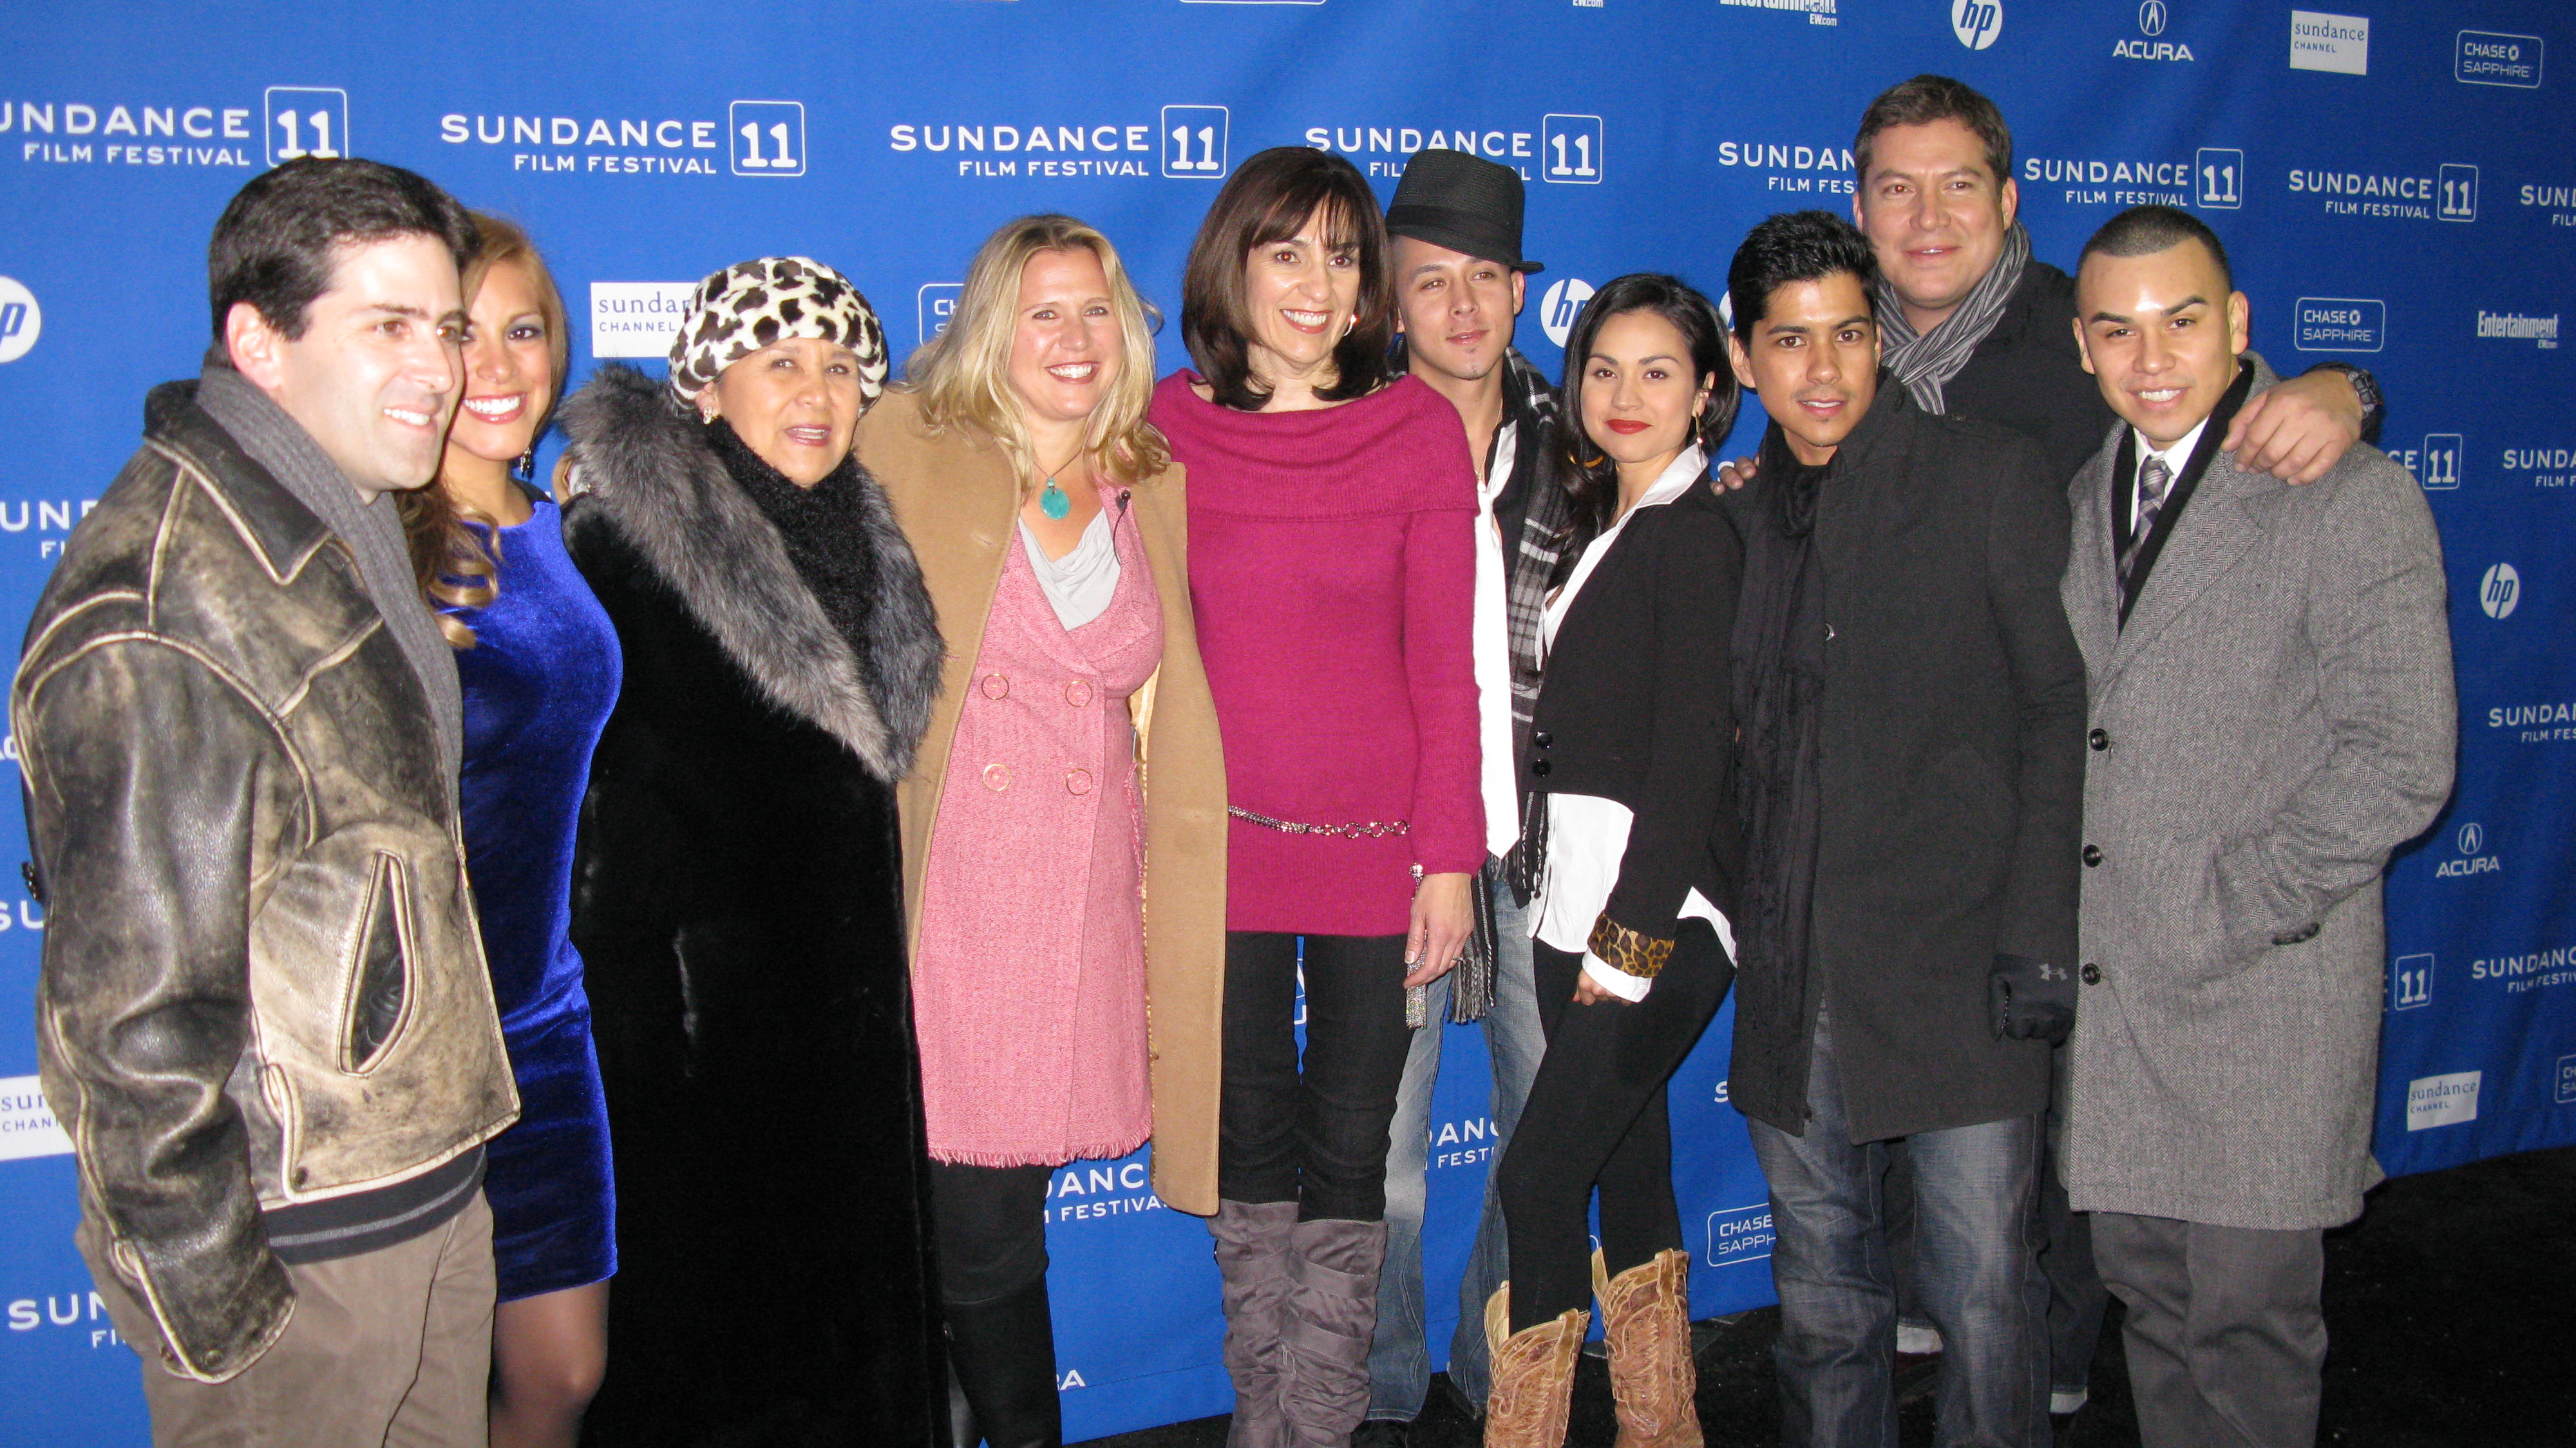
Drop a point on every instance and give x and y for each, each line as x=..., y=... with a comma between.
x=958, y=499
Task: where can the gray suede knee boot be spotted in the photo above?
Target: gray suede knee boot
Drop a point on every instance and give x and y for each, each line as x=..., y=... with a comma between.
x=1331, y=1318
x=1252, y=1258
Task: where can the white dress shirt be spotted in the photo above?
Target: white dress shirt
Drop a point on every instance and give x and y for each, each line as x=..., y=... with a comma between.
x=2177, y=457
x=1492, y=653
x=1587, y=835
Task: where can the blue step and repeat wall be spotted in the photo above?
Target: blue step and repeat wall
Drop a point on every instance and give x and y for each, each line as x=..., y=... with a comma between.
x=2398, y=187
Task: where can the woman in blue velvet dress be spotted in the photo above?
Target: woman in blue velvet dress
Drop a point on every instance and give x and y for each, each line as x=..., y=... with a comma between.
x=539, y=663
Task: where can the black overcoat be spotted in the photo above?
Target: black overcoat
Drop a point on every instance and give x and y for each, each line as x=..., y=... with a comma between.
x=738, y=905
x=2027, y=377
x=1952, y=763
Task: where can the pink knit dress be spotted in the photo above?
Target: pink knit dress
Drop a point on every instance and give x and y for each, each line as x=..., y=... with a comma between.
x=1029, y=975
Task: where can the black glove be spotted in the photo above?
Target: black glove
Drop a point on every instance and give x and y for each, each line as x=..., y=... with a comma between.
x=2033, y=1000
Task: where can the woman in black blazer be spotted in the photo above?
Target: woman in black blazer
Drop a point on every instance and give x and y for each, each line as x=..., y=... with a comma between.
x=1634, y=854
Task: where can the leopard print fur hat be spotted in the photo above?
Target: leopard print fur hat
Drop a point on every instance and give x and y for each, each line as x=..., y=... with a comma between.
x=752, y=304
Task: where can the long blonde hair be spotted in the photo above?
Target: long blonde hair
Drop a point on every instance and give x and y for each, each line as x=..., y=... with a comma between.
x=963, y=376
x=458, y=567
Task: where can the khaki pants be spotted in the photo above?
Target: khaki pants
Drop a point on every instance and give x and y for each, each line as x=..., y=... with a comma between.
x=389, y=1349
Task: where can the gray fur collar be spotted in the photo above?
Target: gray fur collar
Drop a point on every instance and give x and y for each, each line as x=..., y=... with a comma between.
x=647, y=466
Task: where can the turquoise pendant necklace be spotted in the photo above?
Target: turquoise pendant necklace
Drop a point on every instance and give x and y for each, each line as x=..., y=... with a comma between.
x=1053, y=501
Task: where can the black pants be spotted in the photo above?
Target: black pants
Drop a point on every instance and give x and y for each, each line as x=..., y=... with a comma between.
x=1596, y=1117
x=992, y=1229
x=1311, y=1133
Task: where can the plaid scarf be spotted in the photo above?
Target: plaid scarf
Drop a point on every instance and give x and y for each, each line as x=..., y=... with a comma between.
x=1529, y=405
x=1925, y=362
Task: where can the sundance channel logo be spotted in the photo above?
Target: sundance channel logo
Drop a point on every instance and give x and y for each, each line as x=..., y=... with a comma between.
x=2446, y=1100
x=27, y=1124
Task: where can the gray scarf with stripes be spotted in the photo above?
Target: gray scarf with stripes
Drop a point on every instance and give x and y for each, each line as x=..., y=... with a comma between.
x=1926, y=361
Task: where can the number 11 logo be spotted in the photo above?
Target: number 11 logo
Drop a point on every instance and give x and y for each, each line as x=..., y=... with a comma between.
x=2221, y=173
x=2411, y=985
x=1570, y=149
x=1194, y=142
x=768, y=137
x=305, y=120
x=2459, y=193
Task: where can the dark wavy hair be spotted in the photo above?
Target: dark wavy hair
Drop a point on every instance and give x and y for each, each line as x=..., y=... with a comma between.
x=279, y=238
x=1929, y=98
x=1269, y=199
x=1794, y=246
x=1584, y=471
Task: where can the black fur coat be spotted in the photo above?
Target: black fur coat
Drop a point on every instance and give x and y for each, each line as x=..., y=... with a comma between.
x=738, y=904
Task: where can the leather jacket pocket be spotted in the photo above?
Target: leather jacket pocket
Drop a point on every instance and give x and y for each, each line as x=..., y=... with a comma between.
x=380, y=976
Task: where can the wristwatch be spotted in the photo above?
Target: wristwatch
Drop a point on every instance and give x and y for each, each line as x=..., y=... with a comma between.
x=2364, y=386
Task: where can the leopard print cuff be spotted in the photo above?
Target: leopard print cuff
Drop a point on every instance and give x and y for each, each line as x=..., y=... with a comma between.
x=1626, y=951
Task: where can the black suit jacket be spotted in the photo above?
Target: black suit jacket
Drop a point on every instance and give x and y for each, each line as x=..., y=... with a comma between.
x=2027, y=377
x=1953, y=769
x=1637, y=707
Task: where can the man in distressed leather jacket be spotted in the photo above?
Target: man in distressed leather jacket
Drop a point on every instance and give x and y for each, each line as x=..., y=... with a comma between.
x=265, y=1019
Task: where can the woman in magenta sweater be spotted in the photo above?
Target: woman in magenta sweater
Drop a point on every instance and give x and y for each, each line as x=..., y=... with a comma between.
x=1332, y=562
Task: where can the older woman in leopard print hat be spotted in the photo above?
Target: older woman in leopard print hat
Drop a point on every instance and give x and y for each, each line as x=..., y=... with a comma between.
x=738, y=897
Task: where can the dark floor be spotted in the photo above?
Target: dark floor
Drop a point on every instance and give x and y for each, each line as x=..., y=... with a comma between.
x=2452, y=1305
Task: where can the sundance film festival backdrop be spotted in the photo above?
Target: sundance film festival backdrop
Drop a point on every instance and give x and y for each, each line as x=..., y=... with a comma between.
x=2398, y=187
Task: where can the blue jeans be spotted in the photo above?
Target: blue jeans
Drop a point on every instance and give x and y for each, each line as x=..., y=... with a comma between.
x=1976, y=1195
x=1400, y=1359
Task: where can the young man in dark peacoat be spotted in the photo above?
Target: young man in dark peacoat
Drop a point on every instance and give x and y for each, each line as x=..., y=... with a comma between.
x=1913, y=706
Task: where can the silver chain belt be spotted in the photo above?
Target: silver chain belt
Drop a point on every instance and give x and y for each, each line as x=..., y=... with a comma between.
x=1371, y=830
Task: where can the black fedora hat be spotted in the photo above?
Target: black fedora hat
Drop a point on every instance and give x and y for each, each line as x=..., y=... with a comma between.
x=1463, y=202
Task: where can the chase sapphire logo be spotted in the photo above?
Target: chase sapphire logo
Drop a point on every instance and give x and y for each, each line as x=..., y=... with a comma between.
x=2483, y=57
x=937, y=302
x=768, y=137
x=1740, y=1234
x=2341, y=324
x=1570, y=149
x=306, y=120
x=1194, y=140
x=1976, y=22
x=2566, y=1095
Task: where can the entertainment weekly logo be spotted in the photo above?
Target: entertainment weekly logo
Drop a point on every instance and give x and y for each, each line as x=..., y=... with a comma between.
x=2541, y=332
x=1818, y=12
x=762, y=139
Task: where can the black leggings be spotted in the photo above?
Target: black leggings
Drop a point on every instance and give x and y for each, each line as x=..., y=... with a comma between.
x=1596, y=1117
x=1315, y=1136
x=992, y=1229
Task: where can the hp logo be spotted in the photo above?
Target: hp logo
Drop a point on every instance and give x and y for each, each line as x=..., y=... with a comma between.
x=21, y=319
x=2151, y=18
x=2473, y=838
x=2500, y=590
x=1562, y=304
x=1977, y=22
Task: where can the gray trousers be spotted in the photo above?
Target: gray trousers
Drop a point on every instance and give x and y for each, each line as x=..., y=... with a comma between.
x=388, y=1349
x=2225, y=1336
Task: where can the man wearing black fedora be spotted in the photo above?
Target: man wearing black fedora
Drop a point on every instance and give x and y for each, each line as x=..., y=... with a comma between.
x=1456, y=224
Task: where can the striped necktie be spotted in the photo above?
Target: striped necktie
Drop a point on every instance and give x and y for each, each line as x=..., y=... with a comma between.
x=2153, y=478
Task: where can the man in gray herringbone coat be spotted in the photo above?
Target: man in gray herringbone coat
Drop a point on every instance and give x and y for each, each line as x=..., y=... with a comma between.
x=2271, y=711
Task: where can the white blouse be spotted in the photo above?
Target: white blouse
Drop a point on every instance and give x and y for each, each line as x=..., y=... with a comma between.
x=1081, y=584
x=1587, y=835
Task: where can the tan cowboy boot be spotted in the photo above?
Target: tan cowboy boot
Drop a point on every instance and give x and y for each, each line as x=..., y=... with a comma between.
x=1645, y=1319
x=1532, y=1375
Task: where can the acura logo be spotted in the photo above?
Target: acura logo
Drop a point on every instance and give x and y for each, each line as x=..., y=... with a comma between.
x=2151, y=17
x=2473, y=839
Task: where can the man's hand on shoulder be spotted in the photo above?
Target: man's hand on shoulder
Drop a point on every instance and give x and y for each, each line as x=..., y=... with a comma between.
x=2298, y=429
x=1734, y=475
